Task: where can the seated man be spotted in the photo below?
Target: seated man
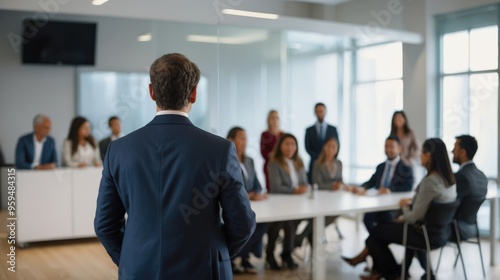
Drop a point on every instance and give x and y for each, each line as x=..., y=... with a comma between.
x=37, y=150
x=471, y=182
x=393, y=175
x=115, y=125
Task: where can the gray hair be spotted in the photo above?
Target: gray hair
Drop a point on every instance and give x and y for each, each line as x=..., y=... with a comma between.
x=38, y=119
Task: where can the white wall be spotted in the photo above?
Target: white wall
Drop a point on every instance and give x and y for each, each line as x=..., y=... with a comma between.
x=244, y=80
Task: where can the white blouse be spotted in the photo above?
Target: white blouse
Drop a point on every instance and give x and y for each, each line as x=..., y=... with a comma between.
x=87, y=154
x=294, y=176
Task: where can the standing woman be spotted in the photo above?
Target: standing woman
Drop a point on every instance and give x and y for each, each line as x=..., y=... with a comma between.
x=437, y=186
x=409, y=144
x=269, y=138
x=286, y=175
x=80, y=148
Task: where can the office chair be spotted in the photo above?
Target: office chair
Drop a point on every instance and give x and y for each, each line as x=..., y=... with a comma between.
x=465, y=222
x=437, y=223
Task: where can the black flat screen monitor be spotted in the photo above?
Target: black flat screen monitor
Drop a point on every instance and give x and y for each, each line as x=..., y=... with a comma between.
x=57, y=42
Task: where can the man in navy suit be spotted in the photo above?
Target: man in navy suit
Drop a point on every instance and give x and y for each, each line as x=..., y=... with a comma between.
x=115, y=125
x=471, y=182
x=181, y=187
x=392, y=175
x=37, y=150
x=317, y=134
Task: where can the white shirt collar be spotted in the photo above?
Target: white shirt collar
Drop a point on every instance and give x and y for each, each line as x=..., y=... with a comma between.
x=172, y=112
x=318, y=124
x=394, y=161
x=466, y=163
x=114, y=137
x=39, y=142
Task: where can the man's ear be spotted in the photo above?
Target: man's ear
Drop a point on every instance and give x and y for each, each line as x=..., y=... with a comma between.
x=192, y=98
x=151, y=92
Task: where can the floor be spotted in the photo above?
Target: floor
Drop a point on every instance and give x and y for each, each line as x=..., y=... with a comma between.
x=87, y=260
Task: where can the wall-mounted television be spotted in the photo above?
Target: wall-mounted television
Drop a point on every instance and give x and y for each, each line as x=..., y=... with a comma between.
x=58, y=42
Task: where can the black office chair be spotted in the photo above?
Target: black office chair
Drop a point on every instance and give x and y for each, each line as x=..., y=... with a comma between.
x=437, y=223
x=465, y=227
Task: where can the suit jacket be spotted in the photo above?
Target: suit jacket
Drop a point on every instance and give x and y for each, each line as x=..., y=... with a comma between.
x=314, y=144
x=25, y=151
x=322, y=177
x=280, y=181
x=402, y=180
x=251, y=182
x=471, y=183
x=103, y=146
x=172, y=179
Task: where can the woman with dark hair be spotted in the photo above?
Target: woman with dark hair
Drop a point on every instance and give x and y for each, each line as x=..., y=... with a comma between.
x=80, y=148
x=286, y=175
x=269, y=138
x=409, y=144
x=437, y=186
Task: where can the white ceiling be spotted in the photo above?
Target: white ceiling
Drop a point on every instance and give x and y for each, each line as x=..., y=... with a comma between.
x=324, y=2
x=210, y=12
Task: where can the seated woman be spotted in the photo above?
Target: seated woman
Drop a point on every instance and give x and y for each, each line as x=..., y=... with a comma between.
x=286, y=175
x=327, y=174
x=437, y=186
x=80, y=148
x=252, y=185
x=327, y=169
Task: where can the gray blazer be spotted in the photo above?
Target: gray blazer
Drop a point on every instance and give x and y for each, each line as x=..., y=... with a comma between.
x=280, y=181
x=431, y=188
x=252, y=184
x=322, y=177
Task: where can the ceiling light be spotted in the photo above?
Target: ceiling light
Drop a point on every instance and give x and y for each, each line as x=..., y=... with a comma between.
x=249, y=14
x=236, y=40
x=98, y=2
x=145, y=37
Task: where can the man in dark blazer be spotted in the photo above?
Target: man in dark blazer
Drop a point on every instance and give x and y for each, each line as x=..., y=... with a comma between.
x=471, y=182
x=181, y=188
x=392, y=175
x=317, y=135
x=37, y=150
x=115, y=125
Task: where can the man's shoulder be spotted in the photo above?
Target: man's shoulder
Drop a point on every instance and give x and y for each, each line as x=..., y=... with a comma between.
x=404, y=165
x=26, y=137
x=331, y=126
x=105, y=140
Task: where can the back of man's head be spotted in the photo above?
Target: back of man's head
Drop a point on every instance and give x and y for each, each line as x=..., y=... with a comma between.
x=469, y=144
x=173, y=78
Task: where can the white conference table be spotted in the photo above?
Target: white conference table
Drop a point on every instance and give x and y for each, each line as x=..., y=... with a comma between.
x=282, y=207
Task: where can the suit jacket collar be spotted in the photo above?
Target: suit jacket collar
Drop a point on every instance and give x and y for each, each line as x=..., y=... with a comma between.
x=467, y=163
x=170, y=119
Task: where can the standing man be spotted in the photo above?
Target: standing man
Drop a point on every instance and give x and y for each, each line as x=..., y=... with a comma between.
x=115, y=125
x=317, y=134
x=181, y=187
x=37, y=150
x=471, y=182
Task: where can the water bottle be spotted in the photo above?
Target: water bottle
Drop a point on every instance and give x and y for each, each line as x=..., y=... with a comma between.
x=312, y=193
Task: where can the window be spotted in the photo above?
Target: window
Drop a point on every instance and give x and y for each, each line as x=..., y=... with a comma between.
x=468, y=86
x=468, y=77
x=377, y=93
